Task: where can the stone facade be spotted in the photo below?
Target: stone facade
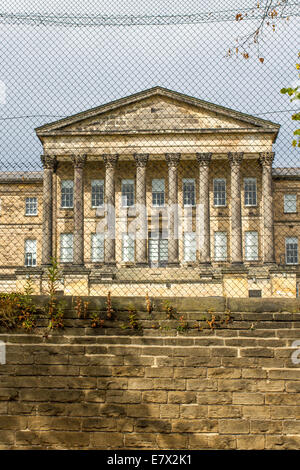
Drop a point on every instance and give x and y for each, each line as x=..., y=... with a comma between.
x=157, y=134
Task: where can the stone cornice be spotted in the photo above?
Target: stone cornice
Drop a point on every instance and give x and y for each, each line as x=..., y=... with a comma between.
x=228, y=130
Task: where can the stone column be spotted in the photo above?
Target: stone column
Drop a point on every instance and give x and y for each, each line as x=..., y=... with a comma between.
x=141, y=216
x=203, y=228
x=173, y=250
x=110, y=162
x=266, y=159
x=78, y=247
x=49, y=165
x=235, y=160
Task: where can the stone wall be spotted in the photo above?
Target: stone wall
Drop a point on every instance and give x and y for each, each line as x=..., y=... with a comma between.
x=231, y=387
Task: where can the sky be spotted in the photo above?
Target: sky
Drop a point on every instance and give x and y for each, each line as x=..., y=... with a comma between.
x=49, y=72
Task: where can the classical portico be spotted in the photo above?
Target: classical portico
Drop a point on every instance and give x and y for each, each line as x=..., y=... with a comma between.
x=204, y=161
x=187, y=145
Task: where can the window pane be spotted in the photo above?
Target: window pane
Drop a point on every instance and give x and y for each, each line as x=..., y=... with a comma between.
x=158, y=250
x=291, y=250
x=153, y=250
x=190, y=246
x=158, y=192
x=219, y=192
x=31, y=206
x=66, y=247
x=67, y=193
x=127, y=193
x=30, y=252
x=250, y=191
x=127, y=247
x=163, y=251
x=251, y=246
x=290, y=203
x=220, y=246
x=188, y=192
x=97, y=247
x=97, y=193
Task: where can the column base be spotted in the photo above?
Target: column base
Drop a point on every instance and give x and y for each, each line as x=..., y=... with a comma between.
x=110, y=264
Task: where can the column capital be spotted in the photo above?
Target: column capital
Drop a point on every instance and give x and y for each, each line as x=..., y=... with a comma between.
x=110, y=161
x=49, y=162
x=78, y=160
x=266, y=158
x=235, y=158
x=141, y=159
x=204, y=158
x=172, y=159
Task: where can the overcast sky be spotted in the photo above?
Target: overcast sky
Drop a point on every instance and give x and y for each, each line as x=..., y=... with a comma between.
x=57, y=71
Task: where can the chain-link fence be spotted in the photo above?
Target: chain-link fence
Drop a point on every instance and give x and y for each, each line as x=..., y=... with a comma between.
x=167, y=162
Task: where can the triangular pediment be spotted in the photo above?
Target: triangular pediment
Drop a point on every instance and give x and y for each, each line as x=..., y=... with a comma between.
x=156, y=110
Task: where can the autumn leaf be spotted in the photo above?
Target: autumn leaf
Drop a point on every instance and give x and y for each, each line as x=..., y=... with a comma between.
x=261, y=59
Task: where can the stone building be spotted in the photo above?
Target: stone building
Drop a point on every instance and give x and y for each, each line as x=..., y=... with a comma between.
x=157, y=192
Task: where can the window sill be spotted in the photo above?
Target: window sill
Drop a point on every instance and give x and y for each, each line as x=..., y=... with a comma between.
x=31, y=215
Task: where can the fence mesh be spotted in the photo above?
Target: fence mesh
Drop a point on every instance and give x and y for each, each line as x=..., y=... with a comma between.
x=146, y=147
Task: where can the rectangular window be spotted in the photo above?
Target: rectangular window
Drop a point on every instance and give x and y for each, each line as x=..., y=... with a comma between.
x=190, y=246
x=291, y=250
x=220, y=192
x=250, y=192
x=290, y=203
x=67, y=194
x=30, y=252
x=66, y=247
x=127, y=247
x=158, y=251
x=251, y=246
x=97, y=247
x=127, y=193
x=158, y=192
x=97, y=195
x=31, y=206
x=189, y=192
x=220, y=246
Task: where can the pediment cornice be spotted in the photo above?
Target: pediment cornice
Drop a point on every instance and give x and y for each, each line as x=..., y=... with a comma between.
x=75, y=125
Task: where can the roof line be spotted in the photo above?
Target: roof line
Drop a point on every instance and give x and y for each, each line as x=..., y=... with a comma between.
x=157, y=90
